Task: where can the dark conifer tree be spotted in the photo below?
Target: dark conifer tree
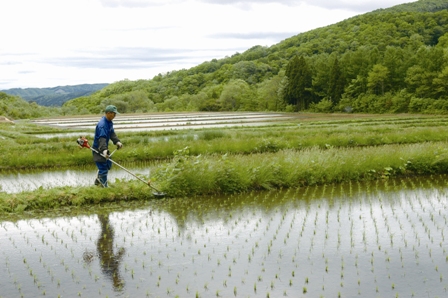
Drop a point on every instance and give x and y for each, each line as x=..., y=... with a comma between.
x=299, y=83
x=291, y=73
x=337, y=83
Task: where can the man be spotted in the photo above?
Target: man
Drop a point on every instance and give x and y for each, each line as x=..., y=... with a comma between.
x=104, y=132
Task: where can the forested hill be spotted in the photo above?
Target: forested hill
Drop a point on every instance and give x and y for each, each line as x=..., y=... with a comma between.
x=388, y=60
x=55, y=96
x=15, y=107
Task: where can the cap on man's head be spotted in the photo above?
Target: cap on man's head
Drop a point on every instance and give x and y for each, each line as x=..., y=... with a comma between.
x=112, y=109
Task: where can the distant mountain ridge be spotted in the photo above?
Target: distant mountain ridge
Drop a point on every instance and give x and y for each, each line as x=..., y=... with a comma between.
x=55, y=96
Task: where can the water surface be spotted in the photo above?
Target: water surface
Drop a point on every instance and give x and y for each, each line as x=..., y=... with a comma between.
x=379, y=239
x=30, y=180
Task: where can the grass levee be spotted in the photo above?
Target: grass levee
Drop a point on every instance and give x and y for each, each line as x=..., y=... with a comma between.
x=190, y=175
x=319, y=149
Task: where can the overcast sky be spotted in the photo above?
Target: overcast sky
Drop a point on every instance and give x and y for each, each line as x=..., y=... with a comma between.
x=49, y=43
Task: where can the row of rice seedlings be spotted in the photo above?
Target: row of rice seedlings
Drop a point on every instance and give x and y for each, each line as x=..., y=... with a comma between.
x=53, y=255
x=270, y=249
x=369, y=239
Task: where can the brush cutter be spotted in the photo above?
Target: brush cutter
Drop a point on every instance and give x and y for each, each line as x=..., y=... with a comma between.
x=84, y=143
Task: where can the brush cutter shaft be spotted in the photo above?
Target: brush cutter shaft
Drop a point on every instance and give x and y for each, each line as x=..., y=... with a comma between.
x=123, y=168
x=84, y=143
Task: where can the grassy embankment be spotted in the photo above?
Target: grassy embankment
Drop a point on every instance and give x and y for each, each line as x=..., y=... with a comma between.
x=236, y=159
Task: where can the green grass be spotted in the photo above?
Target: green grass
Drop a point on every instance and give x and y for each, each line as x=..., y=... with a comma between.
x=232, y=160
x=20, y=148
x=187, y=175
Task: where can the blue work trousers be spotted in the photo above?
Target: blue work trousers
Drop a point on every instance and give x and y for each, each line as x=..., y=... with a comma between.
x=103, y=169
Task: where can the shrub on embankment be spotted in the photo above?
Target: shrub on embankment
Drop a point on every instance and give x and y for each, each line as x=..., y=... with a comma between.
x=188, y=175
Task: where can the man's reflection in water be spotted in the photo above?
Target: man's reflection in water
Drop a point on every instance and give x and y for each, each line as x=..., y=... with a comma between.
x=110, y=262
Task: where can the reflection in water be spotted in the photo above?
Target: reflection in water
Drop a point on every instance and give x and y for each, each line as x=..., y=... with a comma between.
x=109, y=261
x=388, y=235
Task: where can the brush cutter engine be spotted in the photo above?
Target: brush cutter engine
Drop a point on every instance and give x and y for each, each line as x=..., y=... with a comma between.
x=83, y=142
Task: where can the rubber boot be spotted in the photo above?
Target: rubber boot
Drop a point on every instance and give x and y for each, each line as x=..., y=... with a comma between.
x=102, y=180
x=97, y=180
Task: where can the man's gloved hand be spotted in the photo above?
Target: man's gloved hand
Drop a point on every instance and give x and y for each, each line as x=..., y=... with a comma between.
x=106, y=153
x=119, y=145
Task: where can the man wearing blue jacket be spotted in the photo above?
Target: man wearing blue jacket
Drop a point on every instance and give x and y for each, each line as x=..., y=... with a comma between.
x=104, y=132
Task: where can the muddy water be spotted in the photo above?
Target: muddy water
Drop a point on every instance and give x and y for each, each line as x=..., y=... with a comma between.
x=379, y=239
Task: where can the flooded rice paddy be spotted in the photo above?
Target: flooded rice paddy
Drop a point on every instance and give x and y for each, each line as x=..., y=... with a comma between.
x=31, y=180
x=376, y=239
x=166, y=121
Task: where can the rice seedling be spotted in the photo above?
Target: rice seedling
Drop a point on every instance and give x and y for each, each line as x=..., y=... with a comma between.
x=257, y=222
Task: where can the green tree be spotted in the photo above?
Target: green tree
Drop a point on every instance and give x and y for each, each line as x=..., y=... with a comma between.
x=376, y=81
x=443, y=41
x=139, y=102
x=268, y=96
x=319, y=65
x=234, y=94
x=223, y=74
x=430, y=58
x=356, y=87
x=292, y=70
x=356, y=63
x=299, y=83
x=170, y=104
x=191, y=84
x=415, y=41
x=336, y=83
x=440, y=85
x=117, y=101
x=419, y=81
x=394, y=61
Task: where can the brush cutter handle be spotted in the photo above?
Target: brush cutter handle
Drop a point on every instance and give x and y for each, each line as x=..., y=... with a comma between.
x=110, y=155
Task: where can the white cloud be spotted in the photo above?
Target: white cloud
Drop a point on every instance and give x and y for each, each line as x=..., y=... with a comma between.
x=53, y=42
x=358, y=5
x=137, y=3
